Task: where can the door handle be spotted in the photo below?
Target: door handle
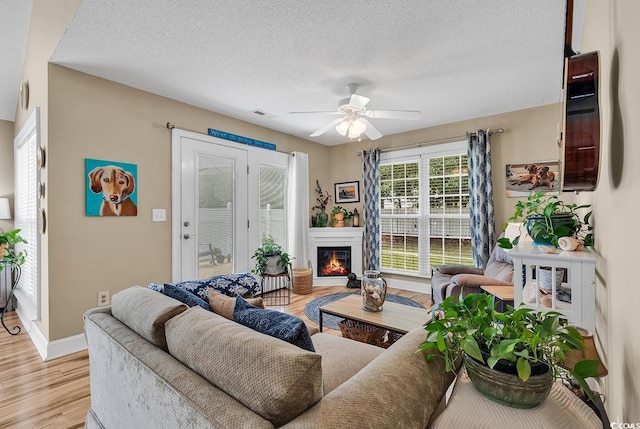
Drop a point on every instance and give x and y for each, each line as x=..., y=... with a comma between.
x=186, y=236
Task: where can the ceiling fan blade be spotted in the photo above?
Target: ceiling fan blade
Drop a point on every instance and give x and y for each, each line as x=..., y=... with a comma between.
x=371, y=131
x=326, y=127
x=325, y=112
x=358, y=101
x=411, y=115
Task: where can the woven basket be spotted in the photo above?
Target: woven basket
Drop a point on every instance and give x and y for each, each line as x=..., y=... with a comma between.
x=362, y=332
x=302, y=279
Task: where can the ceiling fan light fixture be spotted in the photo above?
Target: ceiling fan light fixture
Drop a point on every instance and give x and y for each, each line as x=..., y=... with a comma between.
x=343, y=127
x=357, y=127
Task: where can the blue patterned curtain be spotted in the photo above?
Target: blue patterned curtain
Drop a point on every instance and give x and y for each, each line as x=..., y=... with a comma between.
x=371, y=189
x=481, y=196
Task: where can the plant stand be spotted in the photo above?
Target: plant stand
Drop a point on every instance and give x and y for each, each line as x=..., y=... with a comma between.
x=275, y=289
x=15, y=278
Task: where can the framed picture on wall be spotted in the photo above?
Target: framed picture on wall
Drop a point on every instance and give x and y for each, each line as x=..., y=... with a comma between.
x=347, y=192
x=111, y=188
x=539, y=176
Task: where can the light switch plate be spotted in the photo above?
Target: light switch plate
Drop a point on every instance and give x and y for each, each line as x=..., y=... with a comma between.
x=159, y=215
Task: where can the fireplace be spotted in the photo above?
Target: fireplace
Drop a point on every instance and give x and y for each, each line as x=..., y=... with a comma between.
x=334, y=261
x=335, y=252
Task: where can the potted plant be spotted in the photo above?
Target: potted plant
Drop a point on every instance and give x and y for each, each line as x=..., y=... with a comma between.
x=11, y=260
x=520, y=350
x=323, y=198
x=548, y=218
x=339, y=215
x=271, y=259
x=217, y=253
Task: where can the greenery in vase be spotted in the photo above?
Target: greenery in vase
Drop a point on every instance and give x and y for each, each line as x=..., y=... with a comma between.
x=546, y=207
x=323, y=198
x=8, y=256
x=267, y=251
x=523, y=337
x=339, y=209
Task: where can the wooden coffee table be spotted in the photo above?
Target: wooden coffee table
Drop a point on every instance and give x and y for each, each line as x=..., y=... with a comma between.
x=393, y=317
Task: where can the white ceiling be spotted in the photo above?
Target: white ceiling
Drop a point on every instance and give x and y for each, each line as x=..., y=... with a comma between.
x=451, y=60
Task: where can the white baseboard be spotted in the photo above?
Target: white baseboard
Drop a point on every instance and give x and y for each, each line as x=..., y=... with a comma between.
x=49, y=350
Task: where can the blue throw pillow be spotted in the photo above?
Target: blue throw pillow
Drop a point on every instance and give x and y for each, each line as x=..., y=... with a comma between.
x=185, y=296
x=274, y=323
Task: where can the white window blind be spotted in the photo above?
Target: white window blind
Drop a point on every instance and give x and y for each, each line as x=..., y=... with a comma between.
x=424, y=209
x=26, y=214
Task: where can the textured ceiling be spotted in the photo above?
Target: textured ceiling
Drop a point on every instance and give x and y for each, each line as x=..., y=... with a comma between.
x=451, y=60
x=14, y=27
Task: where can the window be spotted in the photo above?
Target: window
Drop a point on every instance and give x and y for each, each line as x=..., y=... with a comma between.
x=26, y=215
x=272, y=203
x=424, y=209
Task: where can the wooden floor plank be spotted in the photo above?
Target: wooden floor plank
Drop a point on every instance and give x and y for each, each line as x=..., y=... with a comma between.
x=56, y=394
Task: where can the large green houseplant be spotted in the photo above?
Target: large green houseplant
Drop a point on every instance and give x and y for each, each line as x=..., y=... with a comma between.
x=528, y=344
x=547, y=218
x=271, y=259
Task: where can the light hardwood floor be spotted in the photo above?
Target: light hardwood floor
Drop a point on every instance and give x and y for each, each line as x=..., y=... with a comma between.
x=55, y=394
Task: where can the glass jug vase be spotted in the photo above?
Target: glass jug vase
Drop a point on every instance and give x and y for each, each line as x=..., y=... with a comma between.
x=374, y=291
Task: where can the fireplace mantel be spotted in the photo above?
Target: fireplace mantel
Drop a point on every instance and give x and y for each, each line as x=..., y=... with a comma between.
x=324, y=237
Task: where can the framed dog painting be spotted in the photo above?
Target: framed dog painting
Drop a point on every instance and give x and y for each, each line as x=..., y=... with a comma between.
x=540, y=176
x=111, y=188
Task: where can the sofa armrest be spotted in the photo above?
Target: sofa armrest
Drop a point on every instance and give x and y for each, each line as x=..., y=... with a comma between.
x=415, y=388
x=453, y=269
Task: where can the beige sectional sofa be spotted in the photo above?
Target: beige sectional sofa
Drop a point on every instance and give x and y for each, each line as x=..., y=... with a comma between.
x=156, y=363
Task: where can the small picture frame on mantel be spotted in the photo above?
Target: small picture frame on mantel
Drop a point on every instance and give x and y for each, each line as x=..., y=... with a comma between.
x=347, y=192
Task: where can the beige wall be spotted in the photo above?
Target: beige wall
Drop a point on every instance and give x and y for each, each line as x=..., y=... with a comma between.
x=6, y=168
x=48, y=23
x=611, y=28
x=95, y=118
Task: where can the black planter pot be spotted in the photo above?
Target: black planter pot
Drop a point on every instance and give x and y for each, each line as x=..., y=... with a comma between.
x=507, y=388
x=557, y=221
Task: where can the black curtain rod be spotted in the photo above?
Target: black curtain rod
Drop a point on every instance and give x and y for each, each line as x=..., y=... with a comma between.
x=429, y=142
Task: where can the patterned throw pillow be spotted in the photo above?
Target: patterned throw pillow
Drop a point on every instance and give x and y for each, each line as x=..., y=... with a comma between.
x=239, y=284
x=185, y=296
x=284, y=326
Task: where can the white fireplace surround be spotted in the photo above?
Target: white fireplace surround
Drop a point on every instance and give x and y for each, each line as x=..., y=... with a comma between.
x=335, y=237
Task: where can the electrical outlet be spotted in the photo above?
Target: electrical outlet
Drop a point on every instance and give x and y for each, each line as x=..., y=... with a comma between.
x=103, y=298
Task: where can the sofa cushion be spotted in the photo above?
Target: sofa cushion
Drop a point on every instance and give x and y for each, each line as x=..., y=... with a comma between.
x=398, y=389
x=474, y=280
x=280, y=325
x=342, y=358
x=149, y=324
x=457, y=269
x=284, y=380
x=184, y=296
x=224, y=305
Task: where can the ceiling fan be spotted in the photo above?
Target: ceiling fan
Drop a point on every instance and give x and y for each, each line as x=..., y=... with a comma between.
x=354, y=113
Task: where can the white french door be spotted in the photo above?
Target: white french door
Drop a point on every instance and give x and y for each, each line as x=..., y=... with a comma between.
x=212, y=215
x=227, y=197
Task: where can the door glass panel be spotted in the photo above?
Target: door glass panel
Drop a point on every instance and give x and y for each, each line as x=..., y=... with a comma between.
x=272, y=204
x=215, y=215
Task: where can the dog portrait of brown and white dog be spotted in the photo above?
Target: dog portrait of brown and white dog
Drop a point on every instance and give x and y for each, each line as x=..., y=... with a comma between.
x=532, y=176
x=111, y=188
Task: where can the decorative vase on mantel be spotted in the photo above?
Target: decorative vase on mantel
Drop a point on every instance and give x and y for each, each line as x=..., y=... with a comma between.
x=322, y=219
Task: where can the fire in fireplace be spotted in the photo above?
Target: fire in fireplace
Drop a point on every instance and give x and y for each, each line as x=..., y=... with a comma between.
x=334, y=261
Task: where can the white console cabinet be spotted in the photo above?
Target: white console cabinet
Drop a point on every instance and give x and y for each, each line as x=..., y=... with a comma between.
x=572, y=294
